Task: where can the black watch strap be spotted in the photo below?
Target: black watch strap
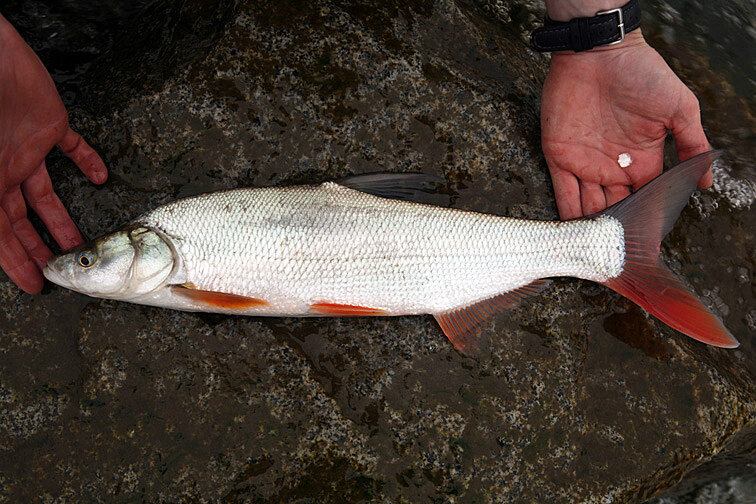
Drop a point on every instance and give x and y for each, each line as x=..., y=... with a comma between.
x=581, y=34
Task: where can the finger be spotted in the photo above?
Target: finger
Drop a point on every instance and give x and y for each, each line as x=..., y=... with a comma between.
x=567, y=193
x=647, y=166
x=592, y=197
x=14, y=260
x=616, y=193
x=706, y=180
x=41, y=197
x=85, y=157
x=596, y=167
x=689, y=134
x=15, y=209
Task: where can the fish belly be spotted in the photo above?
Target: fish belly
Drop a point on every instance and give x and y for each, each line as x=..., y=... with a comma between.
x=298, y=247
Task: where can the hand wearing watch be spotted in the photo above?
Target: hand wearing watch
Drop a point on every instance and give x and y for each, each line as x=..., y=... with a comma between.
x=606, y=111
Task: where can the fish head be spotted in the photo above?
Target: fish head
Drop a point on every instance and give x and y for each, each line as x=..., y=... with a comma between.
x=120, y=265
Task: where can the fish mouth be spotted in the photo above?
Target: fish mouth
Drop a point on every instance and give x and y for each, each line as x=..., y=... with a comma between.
x=55, y=278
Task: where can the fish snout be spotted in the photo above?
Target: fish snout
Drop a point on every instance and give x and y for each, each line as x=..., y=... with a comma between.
x=51, y=273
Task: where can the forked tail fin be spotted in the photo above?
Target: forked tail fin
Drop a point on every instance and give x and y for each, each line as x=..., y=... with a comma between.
x=647, y=216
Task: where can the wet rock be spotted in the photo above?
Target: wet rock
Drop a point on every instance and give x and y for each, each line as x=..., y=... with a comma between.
x=577, y=396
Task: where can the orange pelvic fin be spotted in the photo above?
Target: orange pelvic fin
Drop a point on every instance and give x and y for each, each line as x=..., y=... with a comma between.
x=217, y=299
x=344, y=310
x=461, y=325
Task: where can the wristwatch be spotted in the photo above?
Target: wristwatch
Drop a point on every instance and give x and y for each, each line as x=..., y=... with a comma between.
x=580, y=34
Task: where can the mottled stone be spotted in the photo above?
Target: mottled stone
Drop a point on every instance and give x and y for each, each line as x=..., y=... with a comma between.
x=577, y=396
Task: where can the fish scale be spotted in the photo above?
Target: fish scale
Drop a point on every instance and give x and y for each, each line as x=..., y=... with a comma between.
x=328, y=243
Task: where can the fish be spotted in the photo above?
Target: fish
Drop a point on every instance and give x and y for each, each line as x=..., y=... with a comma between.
x=358, y=247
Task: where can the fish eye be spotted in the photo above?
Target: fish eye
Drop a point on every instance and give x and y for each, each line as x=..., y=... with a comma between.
x=86, y=258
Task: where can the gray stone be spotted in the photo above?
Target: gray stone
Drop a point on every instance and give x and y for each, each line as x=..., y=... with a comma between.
x=577, y=396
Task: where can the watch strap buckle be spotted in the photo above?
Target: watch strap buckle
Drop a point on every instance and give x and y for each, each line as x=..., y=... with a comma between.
x=620, y=23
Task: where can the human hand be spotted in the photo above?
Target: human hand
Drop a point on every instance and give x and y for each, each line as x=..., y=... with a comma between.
x=32, y=121
x=607, y=101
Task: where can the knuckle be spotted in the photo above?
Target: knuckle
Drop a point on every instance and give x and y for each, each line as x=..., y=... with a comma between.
x=691, y=105
x=46, y=199
x=60, y=127
x=75, y=145
x=6, y=237
x=39, y=191
x=18, y=267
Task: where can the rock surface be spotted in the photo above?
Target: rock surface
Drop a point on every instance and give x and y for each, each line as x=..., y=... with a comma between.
x=578, y=396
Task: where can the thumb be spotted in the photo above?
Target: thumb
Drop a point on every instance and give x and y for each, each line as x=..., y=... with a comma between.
x=689, y=134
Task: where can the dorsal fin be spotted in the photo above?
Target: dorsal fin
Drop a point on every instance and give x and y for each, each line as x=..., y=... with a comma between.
x=460, y=325
x=401, y=186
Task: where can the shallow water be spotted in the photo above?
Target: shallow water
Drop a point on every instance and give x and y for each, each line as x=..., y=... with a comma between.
x=108, y=369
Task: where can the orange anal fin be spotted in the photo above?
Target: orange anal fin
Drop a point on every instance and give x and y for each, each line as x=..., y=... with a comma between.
x=460, y=325
x=344, y=310
x=217, y=299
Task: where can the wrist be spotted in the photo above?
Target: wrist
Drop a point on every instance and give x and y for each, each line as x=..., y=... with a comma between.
x=632, y=40
x=564, y=10
x=579, y=34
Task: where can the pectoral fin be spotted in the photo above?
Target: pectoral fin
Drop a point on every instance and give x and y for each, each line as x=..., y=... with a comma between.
x=216, y=299
x=460, y=325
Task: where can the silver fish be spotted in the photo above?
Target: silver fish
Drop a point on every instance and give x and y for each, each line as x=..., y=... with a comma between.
x=335, y=249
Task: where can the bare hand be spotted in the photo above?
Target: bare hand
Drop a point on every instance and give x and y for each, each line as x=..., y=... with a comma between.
x=611, y=100
x=32, y=121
